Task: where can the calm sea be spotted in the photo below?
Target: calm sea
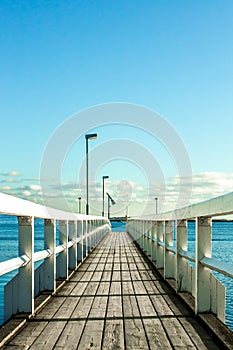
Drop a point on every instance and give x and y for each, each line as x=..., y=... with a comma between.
x=222, y=248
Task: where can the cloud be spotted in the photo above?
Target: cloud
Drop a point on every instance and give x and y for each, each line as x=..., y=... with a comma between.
x=26, y=193
x=5, y=188
x=9, y=180
x=11, y=173
x=32, y=187
x=35, y=187
x=130, y=194
x=204, y=185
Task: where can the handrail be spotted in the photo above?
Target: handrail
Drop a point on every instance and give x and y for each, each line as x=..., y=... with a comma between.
x=187, y=255
x=218, y=206
x=11, y=205
x=78, y=235
x=155, y=235
x=41, y=255
x=218, y=266
x=13, y=264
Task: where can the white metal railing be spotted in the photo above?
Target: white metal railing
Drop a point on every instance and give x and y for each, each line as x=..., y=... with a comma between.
x=78, y=234
x=155, y=236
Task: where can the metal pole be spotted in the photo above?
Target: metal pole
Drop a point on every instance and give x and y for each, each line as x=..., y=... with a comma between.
x=79, y=205
x=104, y=177
x=91, y=137
x=87, y=205
x=108, y=207
x=103, y=197
x=156, y=205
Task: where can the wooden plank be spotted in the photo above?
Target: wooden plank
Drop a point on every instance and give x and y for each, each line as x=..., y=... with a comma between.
x=68, y=287
x=71, y=335
x=106, y=276
x=66, y=309
x=134, y=331
x=49, y=336
x=113, y=335
x=91, y=288
x=103, y=288
x=93, y=331
x=97, y=275
x=51, y=308
x=92, y=335
x=29, y=335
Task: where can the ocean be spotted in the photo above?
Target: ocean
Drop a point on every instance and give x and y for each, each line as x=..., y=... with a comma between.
x=222, y=248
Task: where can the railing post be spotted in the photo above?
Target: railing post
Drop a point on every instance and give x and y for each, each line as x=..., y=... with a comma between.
x=25, y=292
x=139, y=234
x=149, y=231
x=168, y=256
x=49, y=265
x=181, y=263
x=100, y=231
x=91, y=241
x=154, y=241
x=63, y=257
x=80, y=243
x=202, y=274
x=142, y=232
x=84, y=240
x=73, y=250
x=145, y=239
x=160, y=250
x=95, y=225
x=88, y=237
x=141, y=225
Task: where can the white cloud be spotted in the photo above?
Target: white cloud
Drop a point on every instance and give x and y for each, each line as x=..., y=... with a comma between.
x=35, y=187
x=204, y=186
x=14, y=173
x=10, y=180
x=26, y=193
x=11, y=173
x=5, y=188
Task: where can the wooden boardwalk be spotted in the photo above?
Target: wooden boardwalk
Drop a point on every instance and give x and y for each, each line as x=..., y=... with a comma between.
x=114, y=301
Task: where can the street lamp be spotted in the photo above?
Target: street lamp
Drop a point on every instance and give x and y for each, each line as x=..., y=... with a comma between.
x=156, y=205
x=110, y=199
x=104, y=177
x=79, y=204
x=88, y=137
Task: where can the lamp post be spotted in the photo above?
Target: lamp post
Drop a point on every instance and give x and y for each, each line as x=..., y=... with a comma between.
x=79, y=204
x=104, y=177
x=156, y=205
x=88, y=137
x=110, y=199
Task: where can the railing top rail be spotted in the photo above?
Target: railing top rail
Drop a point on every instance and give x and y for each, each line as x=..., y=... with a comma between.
x=219, y=206
x=11, y=205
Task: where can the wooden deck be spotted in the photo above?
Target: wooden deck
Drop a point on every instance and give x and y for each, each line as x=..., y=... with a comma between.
x=114, y=301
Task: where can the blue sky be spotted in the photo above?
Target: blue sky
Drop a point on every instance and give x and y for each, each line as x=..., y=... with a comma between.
x=173, y=57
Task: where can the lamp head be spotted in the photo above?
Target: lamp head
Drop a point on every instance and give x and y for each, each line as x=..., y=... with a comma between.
x=91, y=136
x=106, y=177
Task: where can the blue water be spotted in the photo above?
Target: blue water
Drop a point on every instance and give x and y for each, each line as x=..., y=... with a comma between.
x=222, y=247
x=118, y=226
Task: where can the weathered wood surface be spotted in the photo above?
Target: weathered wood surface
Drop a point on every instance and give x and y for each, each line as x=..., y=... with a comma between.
x=114, y=301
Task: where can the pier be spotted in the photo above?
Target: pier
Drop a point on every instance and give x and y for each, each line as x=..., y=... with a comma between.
x=116, y=290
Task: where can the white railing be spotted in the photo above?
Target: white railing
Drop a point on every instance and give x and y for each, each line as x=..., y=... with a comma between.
x=155, y=235
x=78, y=235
